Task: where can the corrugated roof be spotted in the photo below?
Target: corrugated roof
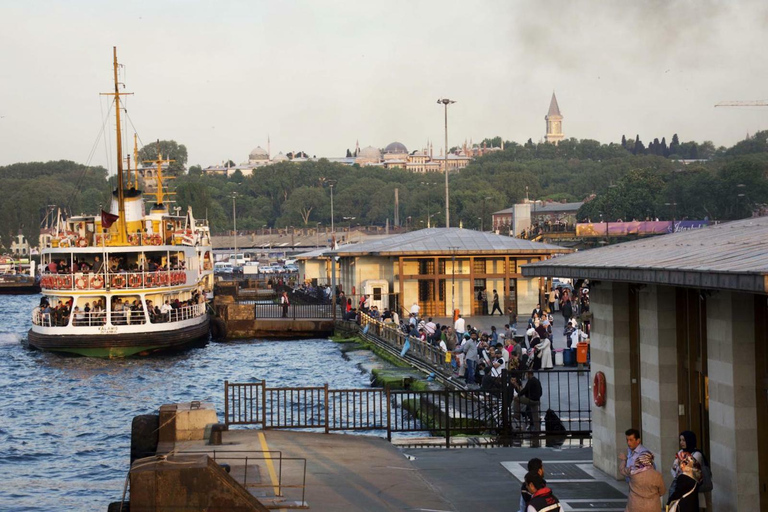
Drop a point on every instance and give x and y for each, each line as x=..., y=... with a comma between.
x=547, y=208
x=441, y=240
x=732, y=255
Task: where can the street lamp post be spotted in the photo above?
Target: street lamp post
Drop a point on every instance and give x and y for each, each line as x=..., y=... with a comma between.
x=446, y=102
x=234, y=222
x=332, y=230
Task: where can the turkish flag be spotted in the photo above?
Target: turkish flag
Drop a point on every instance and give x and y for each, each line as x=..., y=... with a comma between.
x=107, y=219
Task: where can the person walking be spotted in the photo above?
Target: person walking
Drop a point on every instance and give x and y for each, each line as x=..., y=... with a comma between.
x=496, y=305
x=634, y=449
x=285, y=302
x=646, y=485
x=542, y=498
x=688, y=446
x=484, y=299
x=536, y=466
x=683, y=493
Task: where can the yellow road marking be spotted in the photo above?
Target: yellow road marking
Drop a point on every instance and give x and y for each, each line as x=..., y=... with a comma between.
x=270, y=467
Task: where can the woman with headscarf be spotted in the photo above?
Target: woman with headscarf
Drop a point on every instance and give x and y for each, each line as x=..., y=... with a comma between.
x=683, y=493
x=646, y=485
x=688, y=446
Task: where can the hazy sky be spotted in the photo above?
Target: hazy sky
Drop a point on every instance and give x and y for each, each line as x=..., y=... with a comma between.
x=318, y=75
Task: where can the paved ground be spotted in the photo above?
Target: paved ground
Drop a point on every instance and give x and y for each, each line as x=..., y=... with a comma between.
x=358, y=473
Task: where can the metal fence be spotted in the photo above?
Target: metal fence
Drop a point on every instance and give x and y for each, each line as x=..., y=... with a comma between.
x=441, y=413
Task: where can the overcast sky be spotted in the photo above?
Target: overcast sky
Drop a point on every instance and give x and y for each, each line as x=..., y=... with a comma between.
x=317, y=75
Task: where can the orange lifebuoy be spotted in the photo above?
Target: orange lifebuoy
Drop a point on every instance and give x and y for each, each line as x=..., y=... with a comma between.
x=82, y=242
x=134, y=239
x=97, y=282
x=162, y=279
x=81, y=282
x=66, y=282
x=598, y=389
x=182, y=277
x=134, y=280
x=118, y=281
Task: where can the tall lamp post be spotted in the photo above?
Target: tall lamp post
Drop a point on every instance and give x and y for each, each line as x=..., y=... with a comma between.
x=234, y=222
x=446, y=102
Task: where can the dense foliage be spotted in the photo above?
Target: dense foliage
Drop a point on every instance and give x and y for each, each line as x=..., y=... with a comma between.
x=623, y=180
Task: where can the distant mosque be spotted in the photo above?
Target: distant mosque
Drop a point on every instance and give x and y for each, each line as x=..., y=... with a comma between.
x=554, y=121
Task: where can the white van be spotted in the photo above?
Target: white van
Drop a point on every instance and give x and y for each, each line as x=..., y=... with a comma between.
x=223, y=267
x=239, y=259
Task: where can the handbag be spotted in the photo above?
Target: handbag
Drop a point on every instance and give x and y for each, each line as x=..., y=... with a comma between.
x=673, y=507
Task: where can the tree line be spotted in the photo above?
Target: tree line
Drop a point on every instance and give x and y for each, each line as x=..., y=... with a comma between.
x=728, y=183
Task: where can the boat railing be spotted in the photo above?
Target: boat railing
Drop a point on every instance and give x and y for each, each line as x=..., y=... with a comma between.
x=96, y=281
x=128, y=317
x=179, y=314
x=121, y=317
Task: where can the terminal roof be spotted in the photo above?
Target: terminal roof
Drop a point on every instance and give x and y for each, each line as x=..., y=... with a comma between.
x=732, y=255
x=442, y=241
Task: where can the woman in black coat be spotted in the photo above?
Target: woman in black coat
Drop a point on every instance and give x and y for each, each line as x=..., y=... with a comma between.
x=684, y=486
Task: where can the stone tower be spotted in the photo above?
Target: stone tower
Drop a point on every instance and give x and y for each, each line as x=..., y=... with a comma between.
x=554, y=122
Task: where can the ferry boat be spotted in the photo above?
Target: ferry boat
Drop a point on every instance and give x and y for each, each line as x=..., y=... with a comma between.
x=124, y=282
x=17, y=276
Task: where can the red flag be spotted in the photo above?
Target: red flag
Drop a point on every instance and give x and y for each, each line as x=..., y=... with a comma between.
x=107, y=219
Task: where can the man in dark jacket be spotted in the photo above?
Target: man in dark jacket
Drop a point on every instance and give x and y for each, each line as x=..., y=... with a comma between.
x=542, y=499
x=530, y=394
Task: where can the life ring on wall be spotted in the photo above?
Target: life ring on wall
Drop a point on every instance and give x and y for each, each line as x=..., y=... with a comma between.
x=134, y=239
x=97, y=282
x=81, y=282
x=134, y=280
x=82, y=242
x=66, y=282
x=598, y=389
x=118, y=281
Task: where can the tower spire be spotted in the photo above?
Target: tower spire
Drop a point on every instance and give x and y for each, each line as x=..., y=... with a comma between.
x=554, y=121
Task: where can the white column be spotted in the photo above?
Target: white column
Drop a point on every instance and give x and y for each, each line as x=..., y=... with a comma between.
x=732, y=401
x=610, y=355
x=658, y=375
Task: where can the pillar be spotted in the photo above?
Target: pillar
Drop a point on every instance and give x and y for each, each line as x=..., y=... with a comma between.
x=658, y=375
x=732, y=401
x=609, y=303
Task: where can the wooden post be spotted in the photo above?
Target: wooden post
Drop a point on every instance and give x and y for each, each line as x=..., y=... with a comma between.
x=327, y=405
x=226, y=402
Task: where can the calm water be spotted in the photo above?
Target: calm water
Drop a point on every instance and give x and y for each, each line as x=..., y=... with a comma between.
x=65, y=421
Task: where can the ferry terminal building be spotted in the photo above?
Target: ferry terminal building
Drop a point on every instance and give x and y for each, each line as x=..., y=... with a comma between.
x=680, y=330
x=443, y=269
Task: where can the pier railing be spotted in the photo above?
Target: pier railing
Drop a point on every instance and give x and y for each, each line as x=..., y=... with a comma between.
x=440, y=412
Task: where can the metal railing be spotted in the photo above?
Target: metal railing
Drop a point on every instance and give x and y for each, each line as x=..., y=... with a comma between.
x=96, y=281
x=125, y=317
x=269, y=308
x=244, y=468
x=442, y=412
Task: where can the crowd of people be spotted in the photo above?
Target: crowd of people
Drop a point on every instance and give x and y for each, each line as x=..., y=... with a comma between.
x=124, y=311
x=116, y=264
x=691, y=488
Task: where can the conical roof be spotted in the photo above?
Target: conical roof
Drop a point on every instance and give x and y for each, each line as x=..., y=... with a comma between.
x=554, y=108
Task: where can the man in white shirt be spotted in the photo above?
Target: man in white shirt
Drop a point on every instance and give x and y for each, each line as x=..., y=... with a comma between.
x=415, y=309
x=459, y=327
x=430, y=327
x=165, y=310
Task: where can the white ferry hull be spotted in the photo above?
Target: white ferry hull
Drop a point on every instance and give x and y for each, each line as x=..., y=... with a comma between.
x=121, y=341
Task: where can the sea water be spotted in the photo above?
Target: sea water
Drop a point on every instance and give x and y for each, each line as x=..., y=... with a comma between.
x=65, y=421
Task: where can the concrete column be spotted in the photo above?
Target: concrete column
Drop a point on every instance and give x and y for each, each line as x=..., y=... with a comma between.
x=610, y=354
x=732, y=401
x=658, y=375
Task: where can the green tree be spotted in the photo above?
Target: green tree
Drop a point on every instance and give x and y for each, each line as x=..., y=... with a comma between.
x=168, y=150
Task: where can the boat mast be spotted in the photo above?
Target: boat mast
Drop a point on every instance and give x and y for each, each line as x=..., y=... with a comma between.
x=122, y=226
x=135, y=161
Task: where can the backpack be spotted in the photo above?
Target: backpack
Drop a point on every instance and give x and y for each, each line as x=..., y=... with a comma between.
x=552, y=422
x=705, y=483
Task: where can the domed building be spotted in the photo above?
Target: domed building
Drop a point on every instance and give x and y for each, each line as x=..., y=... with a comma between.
x=258, y=156
x=395, y=148
x=368, y=156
